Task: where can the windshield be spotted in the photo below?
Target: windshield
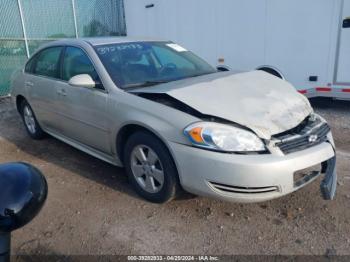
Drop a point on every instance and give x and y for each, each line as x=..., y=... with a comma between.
x=149, y=63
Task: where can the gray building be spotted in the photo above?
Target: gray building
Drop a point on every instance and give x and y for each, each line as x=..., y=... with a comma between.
x=26, y=24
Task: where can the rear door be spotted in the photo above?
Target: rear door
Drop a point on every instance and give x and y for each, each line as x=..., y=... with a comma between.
x=343, y=69
x=40, y=83
x=84, y=116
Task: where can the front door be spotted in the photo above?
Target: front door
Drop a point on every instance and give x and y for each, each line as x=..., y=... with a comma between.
x=343, y=70
x=83, y=110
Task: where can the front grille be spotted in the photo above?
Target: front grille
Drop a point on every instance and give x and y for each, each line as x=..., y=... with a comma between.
x=243, y=190
x=306, y=135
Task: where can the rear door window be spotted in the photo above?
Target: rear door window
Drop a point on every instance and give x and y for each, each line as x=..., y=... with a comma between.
x=47, y=63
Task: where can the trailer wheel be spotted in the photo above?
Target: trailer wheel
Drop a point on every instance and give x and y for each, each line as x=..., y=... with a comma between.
x=272, y=71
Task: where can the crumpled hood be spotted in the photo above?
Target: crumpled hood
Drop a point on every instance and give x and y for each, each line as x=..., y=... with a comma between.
x=257, y=100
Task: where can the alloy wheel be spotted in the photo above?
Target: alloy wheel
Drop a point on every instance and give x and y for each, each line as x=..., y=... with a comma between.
x=147, y=169
x=29, y=119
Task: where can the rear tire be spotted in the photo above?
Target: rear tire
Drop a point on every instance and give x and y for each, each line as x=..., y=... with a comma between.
x=150, y=168
x=30, y=122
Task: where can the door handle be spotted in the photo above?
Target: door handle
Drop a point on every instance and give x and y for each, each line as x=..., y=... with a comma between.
x=28, y=84
x=346, y=22
x=62, y=92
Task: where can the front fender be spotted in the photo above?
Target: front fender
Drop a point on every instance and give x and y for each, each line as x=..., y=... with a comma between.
x=165, y=122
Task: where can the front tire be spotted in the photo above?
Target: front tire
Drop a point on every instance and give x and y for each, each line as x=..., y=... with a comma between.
x=30, y=122
x=150, y=168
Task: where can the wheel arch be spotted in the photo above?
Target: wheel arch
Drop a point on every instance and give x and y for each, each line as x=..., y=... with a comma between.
x=223, y=68
x=271, y=70
x=19, y=101
x=129, y=129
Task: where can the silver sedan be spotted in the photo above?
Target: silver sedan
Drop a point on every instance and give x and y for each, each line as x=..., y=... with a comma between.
x=174, y=122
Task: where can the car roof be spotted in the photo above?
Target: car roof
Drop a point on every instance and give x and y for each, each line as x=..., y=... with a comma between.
x=96, y=41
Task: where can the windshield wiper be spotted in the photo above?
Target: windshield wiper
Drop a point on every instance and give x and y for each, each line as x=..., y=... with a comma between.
x=145, y=84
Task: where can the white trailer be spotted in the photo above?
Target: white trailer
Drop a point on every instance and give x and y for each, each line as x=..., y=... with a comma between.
x=307, y=42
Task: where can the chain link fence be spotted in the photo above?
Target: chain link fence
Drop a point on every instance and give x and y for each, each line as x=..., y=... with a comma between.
x=27, y=24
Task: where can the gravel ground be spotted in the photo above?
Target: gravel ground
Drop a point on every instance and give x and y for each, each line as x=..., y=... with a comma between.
x=91, y=209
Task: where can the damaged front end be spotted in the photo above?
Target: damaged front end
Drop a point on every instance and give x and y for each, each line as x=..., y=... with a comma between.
x=213, y=133
x=311, y=132
x=282, y=119
x=169, y=101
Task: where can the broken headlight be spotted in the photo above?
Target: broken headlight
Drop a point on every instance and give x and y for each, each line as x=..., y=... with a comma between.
x=223, y=138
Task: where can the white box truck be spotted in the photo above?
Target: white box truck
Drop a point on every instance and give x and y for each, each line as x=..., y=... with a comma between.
x=307, y=42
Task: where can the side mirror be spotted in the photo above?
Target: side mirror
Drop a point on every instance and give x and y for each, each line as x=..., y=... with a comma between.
x=83, y=80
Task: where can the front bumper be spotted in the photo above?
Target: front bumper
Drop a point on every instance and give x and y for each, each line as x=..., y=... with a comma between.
x=251, y=178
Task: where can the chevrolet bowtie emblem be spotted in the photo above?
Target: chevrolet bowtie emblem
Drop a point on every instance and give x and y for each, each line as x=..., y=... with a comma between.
x=313, y=138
